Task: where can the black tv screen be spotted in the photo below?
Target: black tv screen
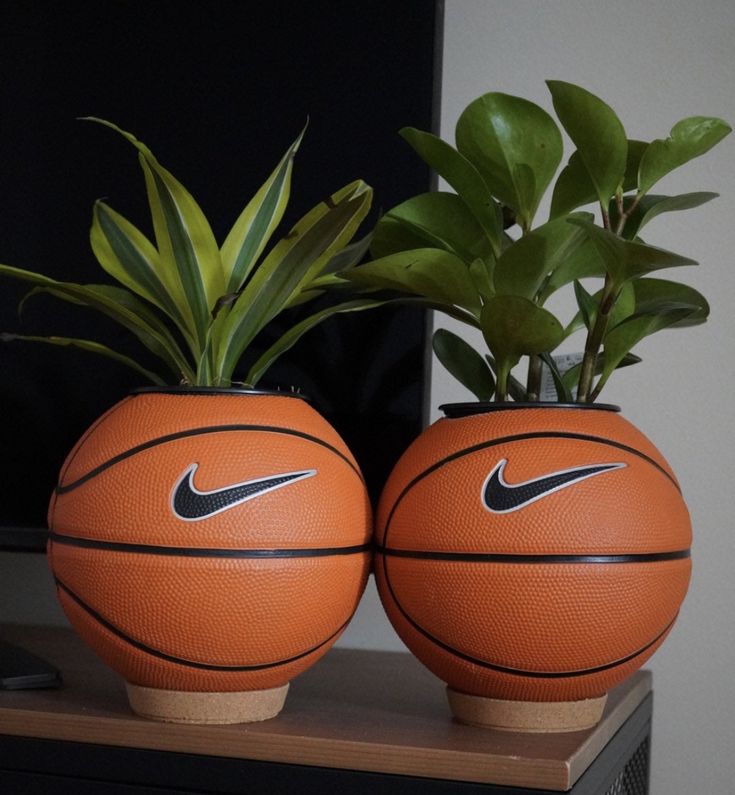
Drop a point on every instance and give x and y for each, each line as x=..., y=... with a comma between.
x=218, y=90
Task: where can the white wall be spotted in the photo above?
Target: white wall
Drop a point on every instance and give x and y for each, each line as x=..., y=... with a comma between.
x=654, y=62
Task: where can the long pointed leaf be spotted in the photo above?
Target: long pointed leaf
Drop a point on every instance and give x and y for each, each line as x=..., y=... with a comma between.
x=273, y=284
x=257, y=222
x=184, y=239
x=91, y=347
x=359, y=195
x=130, y=258
x=121, y=306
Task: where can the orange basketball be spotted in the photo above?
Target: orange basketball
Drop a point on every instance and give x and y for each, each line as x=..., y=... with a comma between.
x=210, y=540
x=536, y=554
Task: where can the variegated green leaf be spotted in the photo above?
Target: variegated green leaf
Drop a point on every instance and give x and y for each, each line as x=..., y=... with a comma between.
x=121, y=306
x=130, y=258
x=184, y=240
x=257, y=222
x=273, y=284
x=349, y=257
x=90, y=346
x=343, y=227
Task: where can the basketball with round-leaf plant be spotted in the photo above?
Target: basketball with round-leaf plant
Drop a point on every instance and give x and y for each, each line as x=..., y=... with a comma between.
x=476, y=254
x=198, y=306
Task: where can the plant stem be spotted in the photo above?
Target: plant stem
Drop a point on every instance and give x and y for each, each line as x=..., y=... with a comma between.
x=593, y=343
x=501, y=384
x=625, y=215
x=533, y=382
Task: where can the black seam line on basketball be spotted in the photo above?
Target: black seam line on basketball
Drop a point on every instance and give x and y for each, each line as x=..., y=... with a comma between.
x=79, y=445
x=180, y=661
x=482, y=557
x=207, y=552
x=172, y=437
x=519, y=438
x=517, y=671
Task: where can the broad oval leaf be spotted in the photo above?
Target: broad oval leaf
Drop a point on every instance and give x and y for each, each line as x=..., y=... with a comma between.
x=482, y=272
x=583, y=262
x=621, y=339
x=597, y=133
x=623, y=307
x=438, y=219
x=515, y=145
x=463, y=177
x=652, y=205
x=574, y=187
x=654, y=295
x=628, y=259
x=513, y=327
x=464, y=363
x=526, y=265
x=689, y=138
x=432, y=273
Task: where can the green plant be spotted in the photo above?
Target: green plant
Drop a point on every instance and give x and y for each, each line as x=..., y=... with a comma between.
x=475, y=254
x=197, y=306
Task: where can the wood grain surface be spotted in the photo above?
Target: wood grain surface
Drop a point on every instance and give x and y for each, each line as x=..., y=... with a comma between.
x=355, y=709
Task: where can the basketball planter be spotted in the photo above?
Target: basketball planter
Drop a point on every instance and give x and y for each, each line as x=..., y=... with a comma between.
x=210, y=545
x=532, y=557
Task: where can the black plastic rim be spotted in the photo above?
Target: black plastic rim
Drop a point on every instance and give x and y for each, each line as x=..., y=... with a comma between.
x=185, y=389
x=455, y=410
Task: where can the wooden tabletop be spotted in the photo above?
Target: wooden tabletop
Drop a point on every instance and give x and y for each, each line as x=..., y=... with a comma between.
x=355, y=709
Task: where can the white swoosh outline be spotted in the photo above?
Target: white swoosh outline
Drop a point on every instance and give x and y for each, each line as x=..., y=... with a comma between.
x=189, y=473
x=499, y=468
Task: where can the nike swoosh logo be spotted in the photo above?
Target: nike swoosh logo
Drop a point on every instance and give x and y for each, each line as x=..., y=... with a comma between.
x=502, y=497
x=192, y=505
